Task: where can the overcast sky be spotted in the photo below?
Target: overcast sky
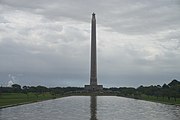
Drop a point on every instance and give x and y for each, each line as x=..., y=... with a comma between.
x=47, y=42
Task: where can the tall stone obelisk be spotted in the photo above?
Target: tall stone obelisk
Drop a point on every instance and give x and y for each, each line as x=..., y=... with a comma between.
x=93, y=74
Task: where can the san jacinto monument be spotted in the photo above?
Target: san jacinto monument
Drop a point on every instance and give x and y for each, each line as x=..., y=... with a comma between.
x=93, y=72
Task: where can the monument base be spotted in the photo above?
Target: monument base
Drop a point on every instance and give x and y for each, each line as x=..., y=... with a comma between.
x=93, y=87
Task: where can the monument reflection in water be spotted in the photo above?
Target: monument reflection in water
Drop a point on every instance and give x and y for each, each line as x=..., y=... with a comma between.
x=93, y=106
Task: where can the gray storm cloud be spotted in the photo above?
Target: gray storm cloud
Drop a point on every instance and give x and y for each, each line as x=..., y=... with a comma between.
x=49, y=41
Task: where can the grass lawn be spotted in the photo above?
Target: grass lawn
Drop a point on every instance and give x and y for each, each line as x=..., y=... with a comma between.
x=161, y=99
x=17, y=98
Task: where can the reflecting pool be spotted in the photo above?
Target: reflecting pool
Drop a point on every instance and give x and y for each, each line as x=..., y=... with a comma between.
x=92, y=108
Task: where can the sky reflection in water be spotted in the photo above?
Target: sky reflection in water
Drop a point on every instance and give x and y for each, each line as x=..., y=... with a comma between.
x=92, y=108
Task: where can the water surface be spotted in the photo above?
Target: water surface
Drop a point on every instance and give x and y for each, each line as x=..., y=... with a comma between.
x=92, y=108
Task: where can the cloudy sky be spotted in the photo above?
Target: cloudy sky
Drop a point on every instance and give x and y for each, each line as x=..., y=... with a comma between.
x=47, y=42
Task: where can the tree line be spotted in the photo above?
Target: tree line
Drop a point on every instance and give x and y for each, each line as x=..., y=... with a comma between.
x=16, y=88
x=171, y=90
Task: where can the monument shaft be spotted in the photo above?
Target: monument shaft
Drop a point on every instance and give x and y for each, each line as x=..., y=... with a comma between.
x=93, y=77
x=93, y=72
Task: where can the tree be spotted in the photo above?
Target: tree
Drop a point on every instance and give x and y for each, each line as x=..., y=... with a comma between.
x=174, y=83
x=165, y=91
x=16, y=88
x=25, y=90
x=41, y=89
